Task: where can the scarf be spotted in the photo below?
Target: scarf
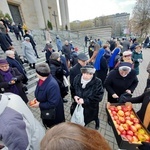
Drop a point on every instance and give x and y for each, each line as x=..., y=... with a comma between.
x=100, y=54
x=84, y=82
x=7, y=76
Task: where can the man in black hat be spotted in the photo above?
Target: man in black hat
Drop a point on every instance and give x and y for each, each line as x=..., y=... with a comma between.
x=75, y=70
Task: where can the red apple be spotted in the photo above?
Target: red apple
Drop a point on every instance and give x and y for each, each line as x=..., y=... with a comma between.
x=129, y=122
x=122, y=119
x=125, y=126
x=138, y=126
x=119, y=107
x=116, y=109
x=112, y=108
x=133, y=128
x=116, y=117
x=127, y=113
x=132, y=116
x=124, y=108
x=118, y=122
x=123, y=132
x=121, y=129
x=114, y=113
x=129, y=107
x=135, y=120
x=127, y=118
x=134, y=139
x=129, y=132
x=129, y=137
x=121, y=113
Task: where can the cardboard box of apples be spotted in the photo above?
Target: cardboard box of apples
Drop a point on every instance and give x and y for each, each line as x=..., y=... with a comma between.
x=128, y=129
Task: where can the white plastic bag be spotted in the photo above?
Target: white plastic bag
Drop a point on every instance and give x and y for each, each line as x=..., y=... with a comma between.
x=65, y=81
x=78, y=116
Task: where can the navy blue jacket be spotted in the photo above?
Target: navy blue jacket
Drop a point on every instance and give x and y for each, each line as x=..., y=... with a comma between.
x=48, y=94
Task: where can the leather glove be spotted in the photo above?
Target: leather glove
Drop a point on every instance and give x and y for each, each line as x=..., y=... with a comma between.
x=144, y=146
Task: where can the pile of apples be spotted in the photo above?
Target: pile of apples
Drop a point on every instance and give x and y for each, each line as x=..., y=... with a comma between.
x=127, y=124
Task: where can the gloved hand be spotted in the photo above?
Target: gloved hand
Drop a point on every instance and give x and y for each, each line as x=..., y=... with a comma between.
x=15, y=79
x=144, y=146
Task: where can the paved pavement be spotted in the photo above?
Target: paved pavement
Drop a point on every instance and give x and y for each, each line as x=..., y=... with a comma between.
x=105, y=129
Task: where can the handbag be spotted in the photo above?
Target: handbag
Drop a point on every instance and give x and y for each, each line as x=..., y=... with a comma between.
x=48, y=114
x=78, y=116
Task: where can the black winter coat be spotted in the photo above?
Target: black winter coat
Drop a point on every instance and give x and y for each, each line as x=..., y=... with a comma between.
x=15, y=64
x=115, y=83
x=58, y=72
x=5, y=87
x=92, y=94
x=102, y=73
x=74, y=71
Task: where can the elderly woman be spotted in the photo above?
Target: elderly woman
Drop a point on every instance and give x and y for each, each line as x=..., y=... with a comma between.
x=48, y=97
x=11, y=80
x=88, y=91
x=119, y=81
x=28, y=52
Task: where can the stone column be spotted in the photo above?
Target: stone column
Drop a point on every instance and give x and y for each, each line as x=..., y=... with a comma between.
x=67, y=14
x=39, y=13
x=62, y=13
x=4, y=7
x=45, y=11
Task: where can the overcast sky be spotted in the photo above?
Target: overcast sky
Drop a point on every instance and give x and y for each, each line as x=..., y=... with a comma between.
x=89, y=9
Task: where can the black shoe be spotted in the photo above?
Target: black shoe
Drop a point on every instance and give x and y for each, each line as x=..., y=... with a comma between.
x=65, y=100
x=38, y=57
x=97, y=124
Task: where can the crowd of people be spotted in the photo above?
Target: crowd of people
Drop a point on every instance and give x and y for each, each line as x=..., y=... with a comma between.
x=113, y=66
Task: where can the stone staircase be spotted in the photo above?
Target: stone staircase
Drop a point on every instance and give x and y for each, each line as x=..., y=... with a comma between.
x=31, y=74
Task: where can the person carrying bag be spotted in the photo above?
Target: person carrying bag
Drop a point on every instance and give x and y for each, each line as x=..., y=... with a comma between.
x=78, y=116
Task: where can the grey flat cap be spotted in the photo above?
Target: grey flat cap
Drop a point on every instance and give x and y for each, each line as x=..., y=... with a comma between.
x=82, y=56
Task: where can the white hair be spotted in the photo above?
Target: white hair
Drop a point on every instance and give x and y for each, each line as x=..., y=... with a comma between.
x=9, y=52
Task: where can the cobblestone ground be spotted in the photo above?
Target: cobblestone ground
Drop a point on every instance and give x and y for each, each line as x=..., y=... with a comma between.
x=105, y=129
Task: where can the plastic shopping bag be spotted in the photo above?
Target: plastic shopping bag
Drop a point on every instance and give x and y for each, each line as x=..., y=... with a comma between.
x=78, y=116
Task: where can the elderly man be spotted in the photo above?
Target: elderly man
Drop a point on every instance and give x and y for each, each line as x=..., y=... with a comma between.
x=75, y=70
x=67, y=52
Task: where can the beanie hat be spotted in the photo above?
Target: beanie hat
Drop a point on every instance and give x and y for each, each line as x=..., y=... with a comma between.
x=3, y=61
x=88, y=69
x=125, y=66
x=55, y=55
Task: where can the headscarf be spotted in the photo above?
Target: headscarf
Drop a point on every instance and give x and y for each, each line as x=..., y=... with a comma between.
x=98, y=59
x=113, y=56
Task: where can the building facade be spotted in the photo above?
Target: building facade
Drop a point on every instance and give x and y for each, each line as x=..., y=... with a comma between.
x=119, y=23
x=36, y=13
